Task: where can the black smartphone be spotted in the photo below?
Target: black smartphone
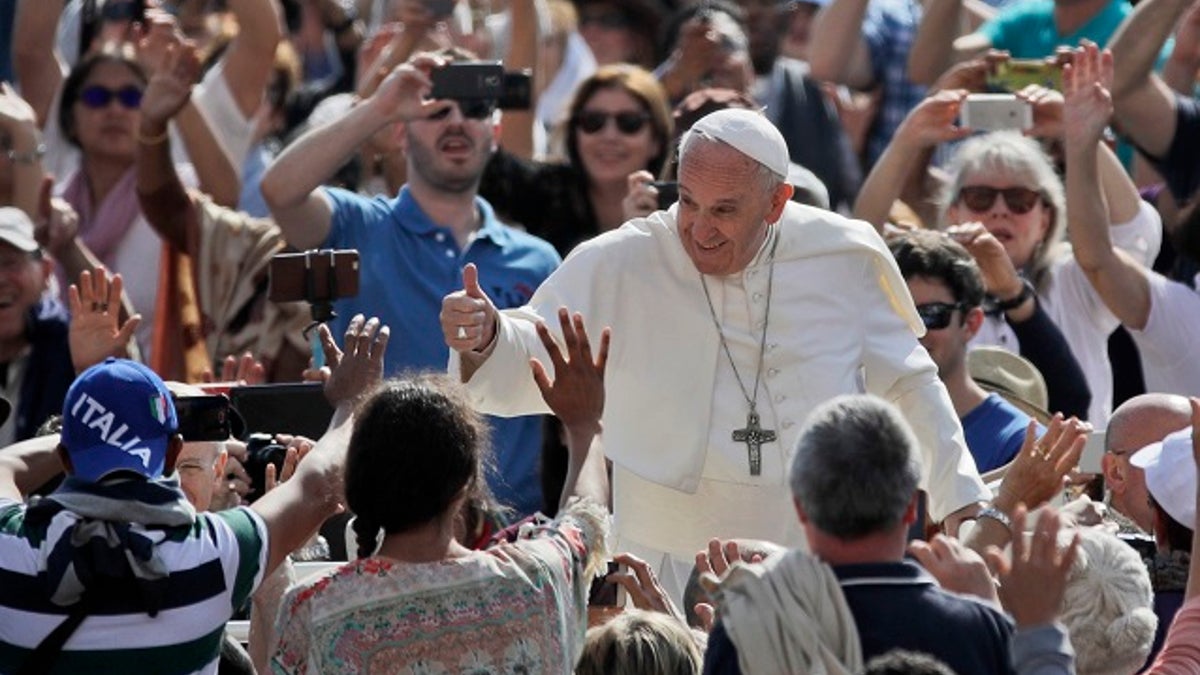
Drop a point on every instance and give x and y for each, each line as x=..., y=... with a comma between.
x=314, y=276
x=468, y=81
x=517, y=92
x=668, y=193
x=204, y=418
x=605, y=592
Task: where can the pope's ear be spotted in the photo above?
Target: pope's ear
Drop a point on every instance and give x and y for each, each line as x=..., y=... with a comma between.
x=779, y=199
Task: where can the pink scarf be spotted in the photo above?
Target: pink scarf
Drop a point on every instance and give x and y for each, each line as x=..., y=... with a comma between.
x=103, y=228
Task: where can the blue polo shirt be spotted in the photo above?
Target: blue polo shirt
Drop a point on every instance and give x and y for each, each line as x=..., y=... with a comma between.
x=408, y=264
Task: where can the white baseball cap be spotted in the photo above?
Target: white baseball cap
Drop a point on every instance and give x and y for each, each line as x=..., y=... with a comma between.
x=1171, y=475
x=17, y=229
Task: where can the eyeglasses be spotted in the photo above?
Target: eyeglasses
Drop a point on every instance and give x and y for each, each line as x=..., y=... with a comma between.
x=473, y=109
x=936, y=315
x=97, y=97
x=628, y=123
x=979, y=198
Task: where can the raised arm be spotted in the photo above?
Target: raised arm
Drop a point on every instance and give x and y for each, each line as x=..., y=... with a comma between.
x=927, y=125
x=27, y=465
x=164, y=200
x=291, y=186
x=38, y=66
x=251, y=56
x=838, y=52
x=933, y=51
x=576, y=396
x=18, y=124
x=294, y=510
x=516, y=130
x=1144, y=104
x=1120, y=282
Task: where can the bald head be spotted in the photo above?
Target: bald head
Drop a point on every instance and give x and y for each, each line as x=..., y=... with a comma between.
x=1146, y=419
x=1140, y=421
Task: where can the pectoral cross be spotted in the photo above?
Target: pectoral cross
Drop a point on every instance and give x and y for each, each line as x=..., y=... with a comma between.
x=754, y=436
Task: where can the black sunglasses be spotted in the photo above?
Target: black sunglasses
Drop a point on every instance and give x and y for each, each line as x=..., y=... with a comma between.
x=979, y=198
x=936, y=315
x=473, y=109
x=95, y=96
x=628, y=123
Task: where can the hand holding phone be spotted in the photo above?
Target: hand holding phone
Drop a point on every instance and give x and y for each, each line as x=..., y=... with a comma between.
x=996, y=112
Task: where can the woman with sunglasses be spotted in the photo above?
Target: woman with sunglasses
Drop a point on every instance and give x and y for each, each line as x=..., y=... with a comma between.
x=1005, y=203
x=619, y=122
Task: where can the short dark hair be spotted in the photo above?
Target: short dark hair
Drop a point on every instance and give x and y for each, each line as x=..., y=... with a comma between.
x=904, y=662
x=417, y=445
x=855, y=470
x=925, y=253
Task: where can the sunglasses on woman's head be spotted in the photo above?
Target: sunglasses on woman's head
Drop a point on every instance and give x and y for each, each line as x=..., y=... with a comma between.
x=474, y=109
x=95, y=96
x=628, y=123
x=936, y=315
x=980, y=198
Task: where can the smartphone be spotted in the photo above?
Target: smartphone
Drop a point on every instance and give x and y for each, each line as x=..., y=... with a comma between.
x=314, y=276
x=668, y=193
x=204, y=418
x=995, y=112
x=1016, y=74
x=517, y=92
x=468, y=80
x=605, y=592
x=1093, y=451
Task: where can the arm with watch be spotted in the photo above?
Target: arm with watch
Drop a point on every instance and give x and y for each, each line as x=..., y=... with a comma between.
x=1033, y=478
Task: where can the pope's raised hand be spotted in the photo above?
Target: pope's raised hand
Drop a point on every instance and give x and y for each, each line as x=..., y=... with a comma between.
x=468, y=316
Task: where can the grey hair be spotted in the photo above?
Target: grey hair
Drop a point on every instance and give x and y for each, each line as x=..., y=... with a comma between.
x=767, y=179
x=1011, y=153
x=855, y=469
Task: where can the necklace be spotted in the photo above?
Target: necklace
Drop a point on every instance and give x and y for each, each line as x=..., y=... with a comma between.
x=753, y=435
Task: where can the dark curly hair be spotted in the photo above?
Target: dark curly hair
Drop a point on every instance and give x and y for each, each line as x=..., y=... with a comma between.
x=417, y=446
x=926, y=253
x=120, y=53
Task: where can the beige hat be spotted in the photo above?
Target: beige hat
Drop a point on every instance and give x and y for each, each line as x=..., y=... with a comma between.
x=1016, y=379
x=1171, y=475
x=17, y=229
x=751, y=133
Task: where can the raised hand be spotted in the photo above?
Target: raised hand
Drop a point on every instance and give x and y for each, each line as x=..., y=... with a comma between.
x=1038, y=472
x=1047, y=107
x=95, y=332
x=641, y=198
x=956, y=567
x=576, y=396
x=14, y=111
x=643, y=588
x=171, y=86
x=57, y=222
x=353, y=373
x=401, y=96
x=1000, y=277
x=1087, y=83
x=933, y=120
x=468, y=316
x=1034, y=580
x=242, y=370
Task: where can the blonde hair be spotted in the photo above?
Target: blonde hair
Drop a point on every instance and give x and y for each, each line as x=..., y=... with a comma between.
x=637, y=642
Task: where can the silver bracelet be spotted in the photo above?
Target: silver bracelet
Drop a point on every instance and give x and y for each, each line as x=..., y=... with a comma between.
x=996, y=515
x=27, y=157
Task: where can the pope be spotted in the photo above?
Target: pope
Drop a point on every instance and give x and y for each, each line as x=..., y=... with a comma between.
x=733, y=313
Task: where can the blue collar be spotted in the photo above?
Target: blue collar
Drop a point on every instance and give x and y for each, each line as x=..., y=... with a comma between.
x=408, y=214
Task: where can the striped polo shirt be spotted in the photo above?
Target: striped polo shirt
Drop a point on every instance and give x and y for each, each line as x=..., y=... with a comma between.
x=215, y=565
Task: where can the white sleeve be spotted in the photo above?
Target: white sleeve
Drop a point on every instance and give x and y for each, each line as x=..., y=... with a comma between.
x=1168, y=345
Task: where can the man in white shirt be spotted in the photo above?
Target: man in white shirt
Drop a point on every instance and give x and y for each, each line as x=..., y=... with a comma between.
x=734, y=314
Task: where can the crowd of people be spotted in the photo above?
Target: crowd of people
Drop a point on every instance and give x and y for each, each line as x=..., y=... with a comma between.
x=723, y=305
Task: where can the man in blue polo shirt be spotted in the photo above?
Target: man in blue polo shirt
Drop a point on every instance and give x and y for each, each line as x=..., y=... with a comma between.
x=413, y=247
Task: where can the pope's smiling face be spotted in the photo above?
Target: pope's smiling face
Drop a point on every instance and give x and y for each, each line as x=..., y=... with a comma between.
x=724, y=207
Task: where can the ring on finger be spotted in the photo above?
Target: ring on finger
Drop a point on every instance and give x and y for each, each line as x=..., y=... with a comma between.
x=462, y=333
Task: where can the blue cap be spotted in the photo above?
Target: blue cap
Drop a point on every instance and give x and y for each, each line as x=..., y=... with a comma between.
x=118, y=416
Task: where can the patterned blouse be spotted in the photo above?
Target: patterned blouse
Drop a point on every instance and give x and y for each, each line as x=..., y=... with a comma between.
x=513, y=608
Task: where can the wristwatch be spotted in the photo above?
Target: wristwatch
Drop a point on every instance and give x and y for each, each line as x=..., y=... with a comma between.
x=1019, y=299
x=996, y=515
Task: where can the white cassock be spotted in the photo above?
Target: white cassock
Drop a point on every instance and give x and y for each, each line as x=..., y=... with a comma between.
x=840, y=321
